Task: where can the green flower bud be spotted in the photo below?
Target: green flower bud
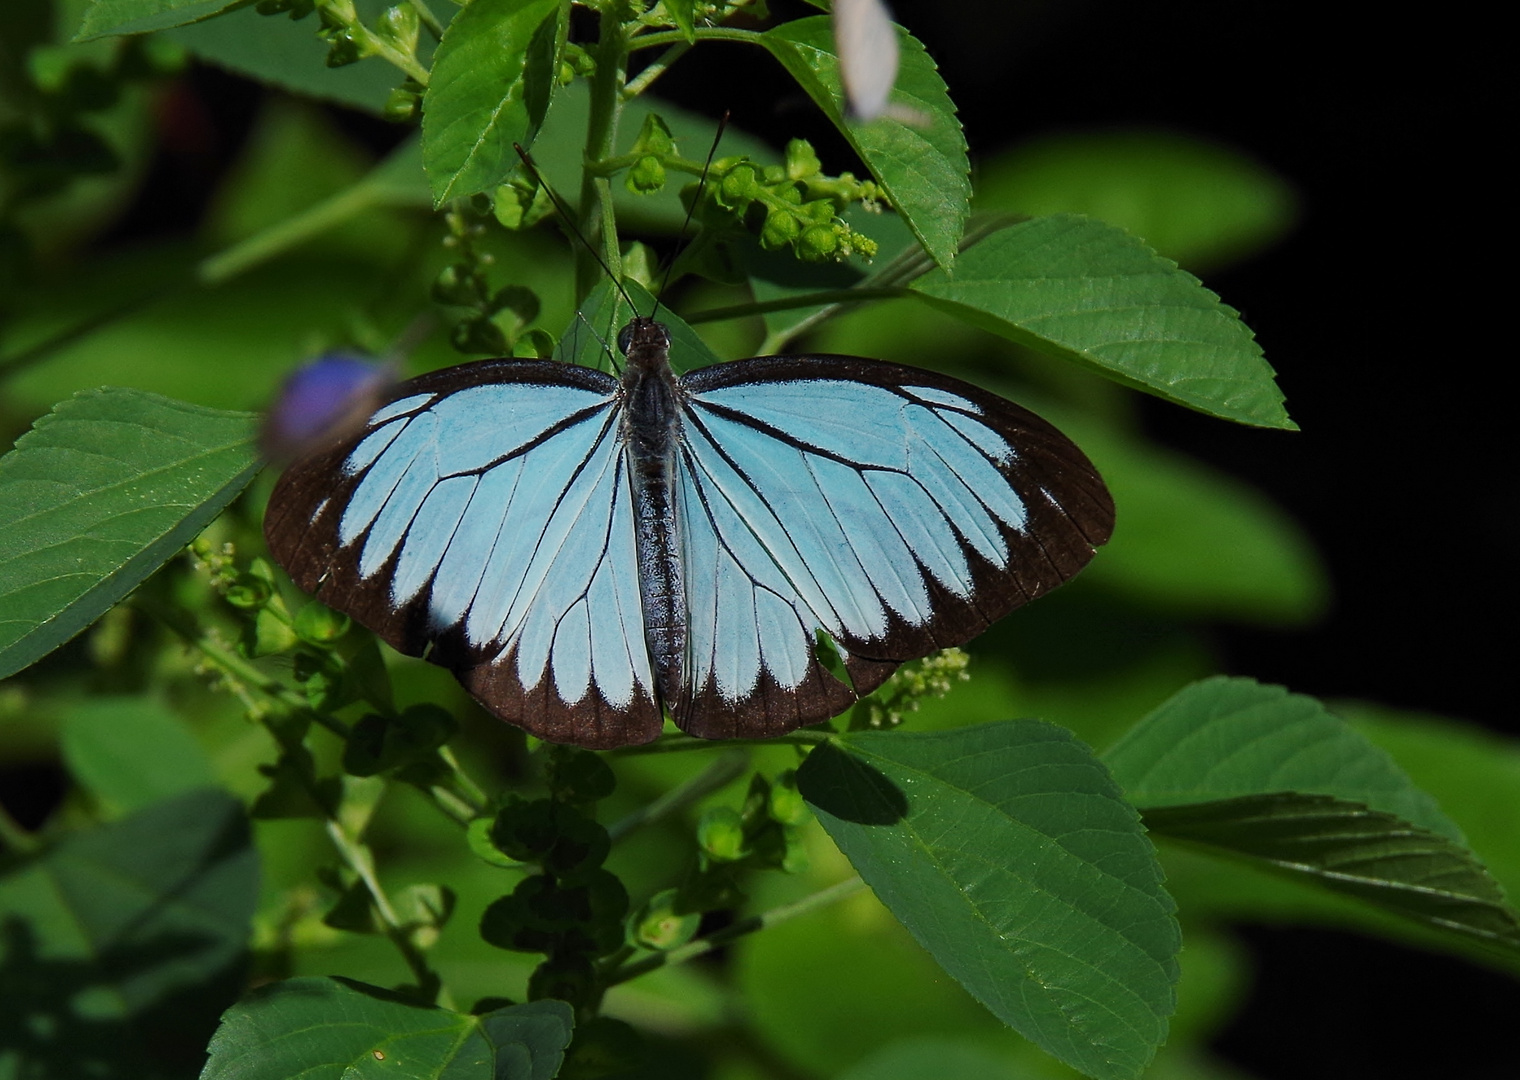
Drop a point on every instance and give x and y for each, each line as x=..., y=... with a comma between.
x=786, y=804
x=646, y=176
x=721, y=835
x=662, y=923
x=249, y=591
x=801, y=161
x=399, y=25
x=401, y=105
x=818, y=242
x=345, y=48
x=779, y=230
x=319, y=625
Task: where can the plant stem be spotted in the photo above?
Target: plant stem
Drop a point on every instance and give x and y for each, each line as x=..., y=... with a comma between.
x=663, y=38
x=789, y=303
x=730, y=765
x=597, y=222
x=234, y=665
x=429, y=20
x=643, y=79
x=361, y=861
x=739, y=929
x=13, y=836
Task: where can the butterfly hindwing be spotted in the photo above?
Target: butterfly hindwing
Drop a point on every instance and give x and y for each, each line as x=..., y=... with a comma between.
x=897, y=510
x=483, y=516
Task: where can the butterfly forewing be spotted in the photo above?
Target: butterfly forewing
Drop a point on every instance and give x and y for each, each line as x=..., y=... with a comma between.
x=897, y=510
x=483, y=517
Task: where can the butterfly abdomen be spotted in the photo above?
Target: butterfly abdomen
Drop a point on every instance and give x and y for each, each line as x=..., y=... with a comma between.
x=651, y=428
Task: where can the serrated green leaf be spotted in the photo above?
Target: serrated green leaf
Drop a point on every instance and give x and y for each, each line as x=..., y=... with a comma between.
x=96, y=497
x=1009, y=853
x=475, y=107
x=923, y=169
x=131, y=752
x=287, y=54
x=1371, y=855
x=1195, y=201
x=120, y=944
x=1084, y=291
x=335, y=1029
x=1226, y=738
x=142, y=16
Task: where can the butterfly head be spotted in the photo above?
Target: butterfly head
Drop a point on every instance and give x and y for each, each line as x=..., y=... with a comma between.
x=645, y=342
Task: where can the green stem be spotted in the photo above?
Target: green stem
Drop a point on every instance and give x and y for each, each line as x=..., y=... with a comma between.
x=13, y=836
x=266, y=244
x=429, y=20
x=789, y=303
x=645, y=78
x=361, y=861
x=663, y=38
x=739, y=929
x=597, y=222
x=730, y=765
x=233, y=664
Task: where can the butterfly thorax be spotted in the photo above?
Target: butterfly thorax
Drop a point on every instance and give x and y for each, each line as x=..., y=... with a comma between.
x=651, y=430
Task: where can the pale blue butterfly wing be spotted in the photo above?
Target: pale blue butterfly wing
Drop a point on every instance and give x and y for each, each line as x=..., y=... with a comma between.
x=484, y=517
x=896, y=510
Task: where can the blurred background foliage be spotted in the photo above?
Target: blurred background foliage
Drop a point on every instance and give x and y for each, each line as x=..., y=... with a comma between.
x=1296, y=558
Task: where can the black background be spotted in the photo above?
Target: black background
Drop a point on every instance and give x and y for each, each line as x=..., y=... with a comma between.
x=1376, y=314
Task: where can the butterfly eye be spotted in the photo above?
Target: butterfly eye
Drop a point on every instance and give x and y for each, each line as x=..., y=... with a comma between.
x=625, y=339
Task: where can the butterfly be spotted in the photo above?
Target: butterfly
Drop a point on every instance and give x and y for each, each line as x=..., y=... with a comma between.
x=750, y=546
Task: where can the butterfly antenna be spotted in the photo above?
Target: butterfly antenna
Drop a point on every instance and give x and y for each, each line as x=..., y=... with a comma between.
x=692, y=209
x=565, y=216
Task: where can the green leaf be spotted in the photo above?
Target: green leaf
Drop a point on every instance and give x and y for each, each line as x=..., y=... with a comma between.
x=275, y=50
x=1011, y=856
x=475, y=106
x=1088, y=292
x=335, y=1029
x=123, y=942
x=1253, y=770
x=131, y=752
x=1372, y=855
x=1194, y=201
x=142, y=16
x=96, y=497
x=682, y=13
x=1226, y=738
x=924, y=170
x=931, y=1059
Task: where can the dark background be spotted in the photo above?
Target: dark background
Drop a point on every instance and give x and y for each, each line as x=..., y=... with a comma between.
x=1373, y=312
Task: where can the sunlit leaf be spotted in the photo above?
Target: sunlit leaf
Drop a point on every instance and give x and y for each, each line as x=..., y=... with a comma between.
x=475, y=107
x=96, y=497
x=1011, y=856
x=1368, y=854
x=923, y=169
x=1227, y=738
x=334, y=1029
x=1088, y=292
